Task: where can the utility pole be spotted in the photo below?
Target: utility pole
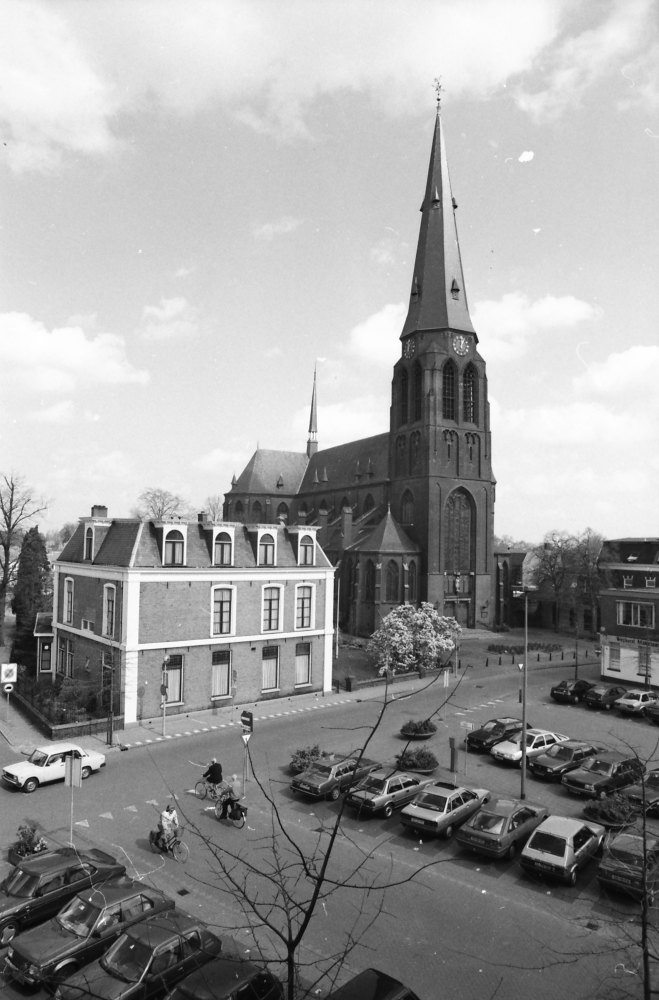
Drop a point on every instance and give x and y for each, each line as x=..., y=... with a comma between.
x=524, y=668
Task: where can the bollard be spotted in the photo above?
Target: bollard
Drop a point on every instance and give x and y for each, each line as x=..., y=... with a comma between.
x=487, y=661
x=562, y=655
x=453, y=743
x=499, y=661
x=538, y=657
x=512, y=658
x=550, y=657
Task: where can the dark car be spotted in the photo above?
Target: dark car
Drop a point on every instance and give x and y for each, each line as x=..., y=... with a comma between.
x=82, y=931
x=228, y=979
x=147, y=961
x=571, y=692
x=385, y=790
x=372, y=985
x=604, y=773
x=499, y=827
x=621, y=867
x=493, y=732
x=604, y=695
x=333, y=774
x=562, y=758
x=38, y=887
x=645, y=792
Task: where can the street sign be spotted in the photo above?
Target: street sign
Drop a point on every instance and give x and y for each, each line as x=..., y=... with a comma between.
x=247, y=722
x=8, y=688
x=446, y=678
x=246, y=737
x=73, y=771
x=467, y=725
x=163, y=689
x=8, y=673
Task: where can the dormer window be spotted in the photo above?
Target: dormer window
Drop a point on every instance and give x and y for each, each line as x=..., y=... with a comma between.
x=89, y=543
x=627, y=582
x=174, y=544
x=306, y=551
x=650, y=582
x=632, y=557
x=266, y=550
x=222, y=553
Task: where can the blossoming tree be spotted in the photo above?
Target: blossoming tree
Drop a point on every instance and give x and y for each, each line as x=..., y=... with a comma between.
x=412, y=637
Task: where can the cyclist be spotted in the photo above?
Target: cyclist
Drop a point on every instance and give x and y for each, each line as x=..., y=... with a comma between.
x=214, y=774
x=229, y=799
x=168, y=825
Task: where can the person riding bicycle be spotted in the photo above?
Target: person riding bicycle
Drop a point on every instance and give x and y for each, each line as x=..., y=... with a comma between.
x=214, y=774
x=168, y=826
x=229, y=799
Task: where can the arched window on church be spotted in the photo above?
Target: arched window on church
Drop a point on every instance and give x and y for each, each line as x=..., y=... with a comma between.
x=303, y=508
x=415, y=451
x=239, y=509
x=323, y=507
x=459, y=529
x=257, y=510
x=470, y=395
x=369, y=503
x=369, y=581
x=345, y=503
x=417, y=382
x=404, y=390
x=401, y=448
x=448, y=391
x=393, y=578
x=407, y=508
x=282, y=510
x=411, y=583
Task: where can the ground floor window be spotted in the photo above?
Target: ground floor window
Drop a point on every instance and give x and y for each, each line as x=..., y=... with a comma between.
x=174, y=679
x=65, y=656
x=270, y=668
x=303, y=663
x=45, y=663
x=221, y=674
x=614, y=656
x=644, y=661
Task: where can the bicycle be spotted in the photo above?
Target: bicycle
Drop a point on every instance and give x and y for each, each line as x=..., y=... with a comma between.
x=237, y=813
x=173, y=845
x=204, y=788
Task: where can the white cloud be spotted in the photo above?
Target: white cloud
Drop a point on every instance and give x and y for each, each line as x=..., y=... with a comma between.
x=221, y=458
x=172, y=319
x=631, y=375
x=183, y=272
x=377, y=338
x=62, y=359
x=526, y=156
x=570, y=425
x=58, y=413
x=269, y=230
x=356, y=418
x=113, y=466
x=505, y=326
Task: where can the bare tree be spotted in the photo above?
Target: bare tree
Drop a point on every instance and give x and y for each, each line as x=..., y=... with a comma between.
x=157, y=504
x=18, y=506
x=554, y=570
x=214, y=505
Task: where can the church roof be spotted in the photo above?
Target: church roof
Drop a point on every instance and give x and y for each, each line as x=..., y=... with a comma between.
x=386, y=537
x=438, y=298
x=348, y=465
x=268, y=468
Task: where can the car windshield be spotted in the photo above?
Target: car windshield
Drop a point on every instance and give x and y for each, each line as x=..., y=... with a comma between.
x=490, y=726
x=560, y=753
x=128, y=959
x=517, y=738
x=652, y=780
x=78, y=917
x=548, y=843
x=323, y=769
x=629, y=850
x=598, y=766
x=20, y=884
x=598, y=689
x=429, y=800
x=488, y=823
x=38, y=758
x=374, y=784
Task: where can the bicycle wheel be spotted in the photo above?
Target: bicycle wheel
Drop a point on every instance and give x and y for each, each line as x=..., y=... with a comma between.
x=218, y=809
x=238, y=822
x=201, y=790
x=180, y=851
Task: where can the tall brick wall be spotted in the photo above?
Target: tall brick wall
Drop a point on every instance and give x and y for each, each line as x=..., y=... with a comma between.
x=88, y=601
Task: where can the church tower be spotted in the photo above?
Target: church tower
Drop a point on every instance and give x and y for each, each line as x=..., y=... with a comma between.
x=441, y=481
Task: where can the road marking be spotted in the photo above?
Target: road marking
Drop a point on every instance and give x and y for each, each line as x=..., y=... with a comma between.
x=148, y=741
x=152, y=802
x=195, y=730
x=106, y=816
x=169, y=737
x=130, y=809
x=213, y=727
x=82, y=822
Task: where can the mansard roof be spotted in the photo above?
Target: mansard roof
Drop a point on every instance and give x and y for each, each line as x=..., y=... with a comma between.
x=348, y=465
x=266, y=468
x=386, y=538
x=630, y=551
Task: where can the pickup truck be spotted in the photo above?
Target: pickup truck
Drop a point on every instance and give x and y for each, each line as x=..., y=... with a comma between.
x=332, y=774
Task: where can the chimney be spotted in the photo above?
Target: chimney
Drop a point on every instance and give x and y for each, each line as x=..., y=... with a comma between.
x=346, y=526
x=98, y=511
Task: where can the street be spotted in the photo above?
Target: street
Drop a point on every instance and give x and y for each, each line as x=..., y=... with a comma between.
x=463, y=927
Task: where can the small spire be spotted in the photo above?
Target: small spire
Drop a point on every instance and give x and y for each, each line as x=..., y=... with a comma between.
x=234, y=481
x=439, y=90
x=312, y=443
x=280, y=482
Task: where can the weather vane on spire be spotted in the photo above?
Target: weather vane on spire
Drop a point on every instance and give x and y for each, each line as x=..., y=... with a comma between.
x=439, y=90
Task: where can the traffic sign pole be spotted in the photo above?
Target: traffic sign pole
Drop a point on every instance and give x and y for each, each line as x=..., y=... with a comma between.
x=247, y=722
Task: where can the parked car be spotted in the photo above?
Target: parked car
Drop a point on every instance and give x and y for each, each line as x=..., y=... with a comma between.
x=604, y=773
x=37, y=888
x=147, y=960
x=385, y=790
x=635, y=702
x=645, y=791
x=604, y=695
x=228, y=979
x=83, y=930
x=561, y=758
x=500, y=826
x=332, y=774
x=571, y=692
x=560, y=847
x=441, y=808
x=538, y=742
x=492, y=732
x=46, y=764
x=372, y=985
x=621, y=867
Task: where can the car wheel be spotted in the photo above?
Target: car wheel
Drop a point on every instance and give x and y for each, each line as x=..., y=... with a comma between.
x=86, y=771
x=8, y=931
x=334, y=794
x=448, y=832
x=31, y=785
x=388, y=810
x=512, y=850
x=572, y=877
x=59, y=975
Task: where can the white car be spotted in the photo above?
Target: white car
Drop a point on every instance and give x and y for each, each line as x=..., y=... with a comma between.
x=635, y=702
x=46, y=764
x=538, y=741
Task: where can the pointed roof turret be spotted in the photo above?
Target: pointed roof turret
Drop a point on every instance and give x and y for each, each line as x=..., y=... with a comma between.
x=312, y=443
x=438, y=298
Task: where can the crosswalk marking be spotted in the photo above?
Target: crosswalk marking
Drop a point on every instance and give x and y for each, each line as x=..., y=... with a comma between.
x=106, y=815
x=152, y=802
x=130, y=809
x=81, y=822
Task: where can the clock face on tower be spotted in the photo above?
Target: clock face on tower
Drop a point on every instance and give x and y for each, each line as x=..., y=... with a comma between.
x=409, y=347
x=461, y=345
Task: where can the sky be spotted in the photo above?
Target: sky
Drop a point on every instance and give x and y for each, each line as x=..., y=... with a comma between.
x=200, y=201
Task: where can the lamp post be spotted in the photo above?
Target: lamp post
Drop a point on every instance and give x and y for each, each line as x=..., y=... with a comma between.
x=524, y=592
x=163, y=693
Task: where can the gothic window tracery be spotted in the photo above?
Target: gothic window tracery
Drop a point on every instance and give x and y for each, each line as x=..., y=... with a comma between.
x=401, y=447
x=470, y=395
x=369, y=581
x=415, y=451
x=257, y=510
x=448, y=391
x=407, y=508
x=404, y=396
x=459, y=528
x=282, y=510
x=417, y=390
x=393, y=585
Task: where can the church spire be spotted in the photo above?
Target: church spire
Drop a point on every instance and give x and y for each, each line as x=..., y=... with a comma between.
x=438, y=298
x=312, y=443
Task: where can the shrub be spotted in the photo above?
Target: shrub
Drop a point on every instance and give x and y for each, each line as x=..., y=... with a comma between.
x=304, y=758
x=417, y=727
x=28, y=842
x=540, y=647
x=418, y=759
x=614, y=810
